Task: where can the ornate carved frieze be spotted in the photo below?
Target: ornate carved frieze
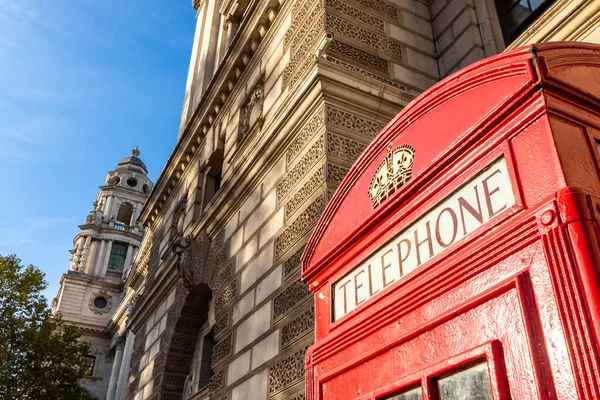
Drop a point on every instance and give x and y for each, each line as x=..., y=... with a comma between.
x=290, y=298
x=197, y=3
x=310, y=187
x=343, y=147
x=352, y=122
x=301, y=326
x=381, y=6
x=154, y=262
x=299, y=396
x=345, y=28
x=221, y=325
x=300, y=227
x=308, y=130
x=225, y=296
x=293, y=263
x=300, y=10
x=183, y=343
x=362, y=57
x=178, y=362
x=351, y=11
x=365, y=74
x=336, y=173
x=216, y=382
x=287, y=372
x=222, y=350
x=315, y=152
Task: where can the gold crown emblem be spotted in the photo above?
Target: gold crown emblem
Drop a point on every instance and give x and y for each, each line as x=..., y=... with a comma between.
x=395, y=170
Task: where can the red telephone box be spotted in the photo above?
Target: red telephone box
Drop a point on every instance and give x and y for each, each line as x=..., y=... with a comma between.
x=460, y=256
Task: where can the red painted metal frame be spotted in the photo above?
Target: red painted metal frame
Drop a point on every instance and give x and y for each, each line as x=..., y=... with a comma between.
x=523, y=290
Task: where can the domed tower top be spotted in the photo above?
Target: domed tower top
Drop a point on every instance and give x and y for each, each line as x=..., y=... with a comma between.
x=131, y=174
x=133, y=163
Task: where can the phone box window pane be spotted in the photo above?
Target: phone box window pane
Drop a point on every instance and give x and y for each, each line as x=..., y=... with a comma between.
x=469, y=384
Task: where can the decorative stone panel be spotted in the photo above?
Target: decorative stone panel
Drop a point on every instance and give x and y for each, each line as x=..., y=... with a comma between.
x=352, y=122
x=300, y=227
x=287, y=372
x=290, y=298
x=336, y=173
x=343, y=147
x=351, y=11
x=222, y=350
x=221, y=325
x=301, y=326
x=174, y=379
x=293, y=263
x=306, y=133
x=188, y=326
x=300, y=10
x=183, y=343
x=225, y=296
x=216, y=382
x=178, y=362
x=315, y=152
x=223, y=276
x=365, y=74
x=381, y=6
x=154, y=261
x=305, y=192
x=362, y=57
x=362, y=35
x=299, y=396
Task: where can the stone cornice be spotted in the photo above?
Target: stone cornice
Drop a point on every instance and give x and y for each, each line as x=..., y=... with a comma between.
x=228, y=80
x=559, y=18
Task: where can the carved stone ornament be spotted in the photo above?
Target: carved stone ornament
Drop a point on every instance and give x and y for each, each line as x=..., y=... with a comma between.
x=197, y=3
x=182, y=247
x=100, y=302
x=114, y=180
x=395, y=170
x=253, y=111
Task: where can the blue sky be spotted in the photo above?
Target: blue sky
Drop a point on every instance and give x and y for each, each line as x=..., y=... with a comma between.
x=81, y=83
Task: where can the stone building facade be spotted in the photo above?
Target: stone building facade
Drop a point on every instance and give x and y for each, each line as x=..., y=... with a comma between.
x=90, y=291
x=282, y=97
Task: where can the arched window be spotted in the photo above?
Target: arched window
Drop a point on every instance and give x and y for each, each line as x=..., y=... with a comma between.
x=125, y=213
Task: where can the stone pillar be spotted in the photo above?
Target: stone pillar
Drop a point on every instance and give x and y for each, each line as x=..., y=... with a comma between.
x=105, y=258
x=114, y=373
x=125, y=365
x=84, y=253
x=109, y=204
x=128, y=257
x=92, y=257
x=96, y=264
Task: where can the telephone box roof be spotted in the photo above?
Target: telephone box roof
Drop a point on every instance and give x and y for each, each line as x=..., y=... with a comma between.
x=440, y=124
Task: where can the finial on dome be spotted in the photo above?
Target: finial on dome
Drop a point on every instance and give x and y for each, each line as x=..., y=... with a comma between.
x=135, y=152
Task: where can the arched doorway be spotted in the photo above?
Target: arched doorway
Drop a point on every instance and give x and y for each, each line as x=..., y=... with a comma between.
x=187, y=346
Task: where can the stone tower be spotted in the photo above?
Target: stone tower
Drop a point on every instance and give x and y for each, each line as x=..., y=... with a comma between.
x=104, y=249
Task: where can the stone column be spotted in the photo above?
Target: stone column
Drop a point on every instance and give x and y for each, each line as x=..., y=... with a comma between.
x=106, y=258
x=125, y=365
x=99, y=255
x=109, y=205
x=84, y=253
x=128, y=257
x=114, y=373
x=92, y=257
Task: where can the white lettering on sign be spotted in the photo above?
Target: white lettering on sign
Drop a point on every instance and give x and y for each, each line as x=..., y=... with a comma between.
x=462, y=212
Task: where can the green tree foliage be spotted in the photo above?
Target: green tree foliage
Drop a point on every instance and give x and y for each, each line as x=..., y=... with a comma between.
x=40, y=357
